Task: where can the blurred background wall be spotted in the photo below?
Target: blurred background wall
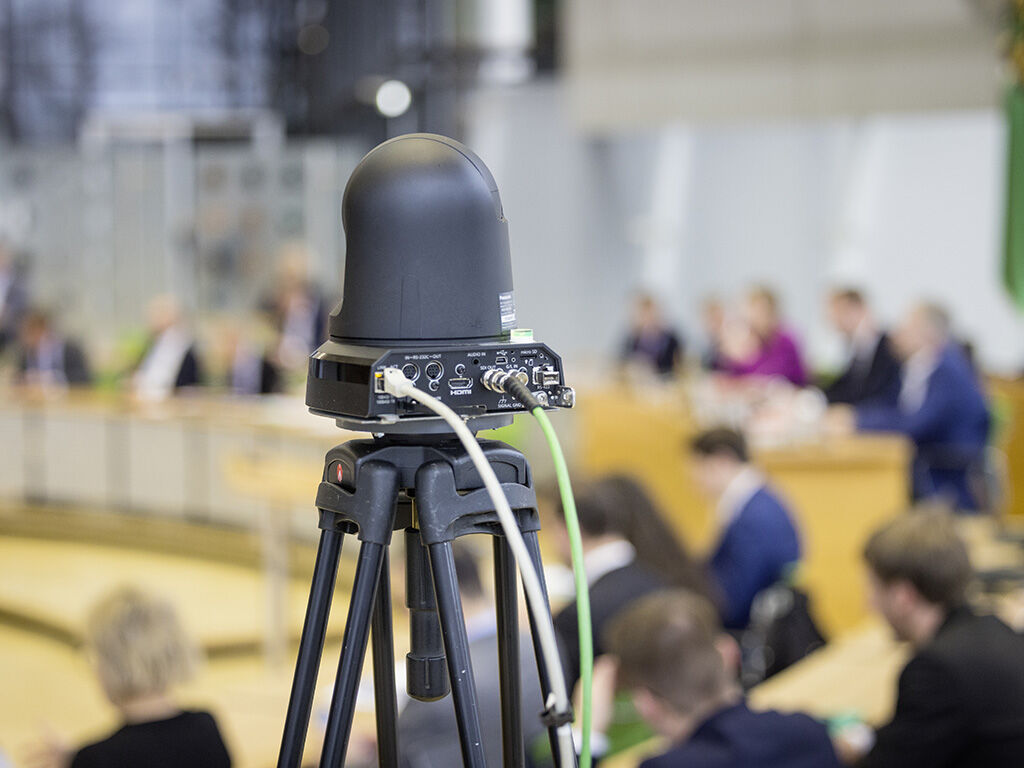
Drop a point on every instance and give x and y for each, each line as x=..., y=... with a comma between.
x=639, y=142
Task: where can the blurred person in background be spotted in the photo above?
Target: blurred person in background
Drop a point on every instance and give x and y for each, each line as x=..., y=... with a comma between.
x=940, y=407
x=872, y=373
x=681, y=669
x=651, y=343
x=645, y=527
x=171, y=359
x=298, y=308
x=247, y=351
x=140, y=651
x=427, y=730
x=617, y=572
x=46, y=358
x=758, y=545
x=712, y=316
x=960, y=700
x=13, y=296
x=763, y=347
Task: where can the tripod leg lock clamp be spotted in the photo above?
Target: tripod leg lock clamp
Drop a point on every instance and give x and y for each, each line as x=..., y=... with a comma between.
x=553, y=718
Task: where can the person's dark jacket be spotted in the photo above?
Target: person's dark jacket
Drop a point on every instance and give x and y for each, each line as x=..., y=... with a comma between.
x=755, y=551
x=190, y=374
x=960, y=702
x=74, y=365
x=735, y=737
x=187, y=740
x=875, y=380
x=609, y=595
x=662, y=352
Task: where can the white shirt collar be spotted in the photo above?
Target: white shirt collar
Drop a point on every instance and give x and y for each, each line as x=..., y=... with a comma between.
x=865, y=340
x=156, y=375
x=607, y=558
x=737, y=493
x=917, y=370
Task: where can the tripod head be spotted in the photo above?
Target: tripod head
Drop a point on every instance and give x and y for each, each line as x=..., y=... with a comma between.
x=428, y=290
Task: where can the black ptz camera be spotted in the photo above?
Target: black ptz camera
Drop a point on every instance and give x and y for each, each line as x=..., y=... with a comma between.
x=428, y=290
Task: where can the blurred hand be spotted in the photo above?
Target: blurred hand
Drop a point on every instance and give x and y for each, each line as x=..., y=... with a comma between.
x=51, y=751
x=606, y=670
x=839, y=420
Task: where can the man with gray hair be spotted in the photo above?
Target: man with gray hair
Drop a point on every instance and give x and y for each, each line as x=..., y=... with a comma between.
x=940, y=407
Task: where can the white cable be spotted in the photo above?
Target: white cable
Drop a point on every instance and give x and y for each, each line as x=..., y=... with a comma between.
x=397, y=385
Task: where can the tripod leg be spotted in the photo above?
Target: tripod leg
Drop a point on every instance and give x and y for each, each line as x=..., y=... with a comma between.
x=507, y=609
x=533, y=547
x=311, y=647
x=385, y=700
x=456, y=644
x=353, y=650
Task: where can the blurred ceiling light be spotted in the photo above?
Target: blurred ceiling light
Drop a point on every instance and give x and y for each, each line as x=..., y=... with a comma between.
x=393, y=98
x=313, y=38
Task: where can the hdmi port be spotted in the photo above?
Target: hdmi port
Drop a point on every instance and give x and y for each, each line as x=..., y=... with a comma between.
x=461, y=383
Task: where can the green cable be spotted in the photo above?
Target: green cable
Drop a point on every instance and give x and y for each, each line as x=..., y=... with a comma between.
x=572, y=526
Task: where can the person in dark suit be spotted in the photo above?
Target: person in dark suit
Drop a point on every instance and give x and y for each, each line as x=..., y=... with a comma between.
x=758, y=544
x=615, y=573
x=872, y=373
x=45, y=358
x=650, y=342
x=681, y=669
x=171, y=359
x=251, y=367
x=14, y=298
x=428, y=736
x=960, y=700
x=940, y=407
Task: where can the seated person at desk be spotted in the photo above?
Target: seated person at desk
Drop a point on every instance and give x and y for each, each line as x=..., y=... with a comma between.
x=960, y=702
x=139, y=650
x=681, y=669
x=427, y=732
x=170, y=360
x=651, y=342
x=763, y=347
x=13, y=295
x=45, y=358
x=712, y=319
x=758, y=543
x=940, y=407
x=251, y=368
x=617, y=572
x=872, y=373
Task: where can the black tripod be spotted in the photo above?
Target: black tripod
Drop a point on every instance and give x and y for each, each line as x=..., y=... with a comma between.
x=433, y=491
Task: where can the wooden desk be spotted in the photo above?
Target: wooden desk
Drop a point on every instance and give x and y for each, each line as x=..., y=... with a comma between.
x=1008, y=408
x=840, y=489
x=853, y=674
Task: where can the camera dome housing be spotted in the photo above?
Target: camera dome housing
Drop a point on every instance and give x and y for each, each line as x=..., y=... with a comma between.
x=427, y=251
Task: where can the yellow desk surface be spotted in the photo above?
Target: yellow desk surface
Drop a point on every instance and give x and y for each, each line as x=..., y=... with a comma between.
x=52, y=584
x=853, y=674
x=840, y=489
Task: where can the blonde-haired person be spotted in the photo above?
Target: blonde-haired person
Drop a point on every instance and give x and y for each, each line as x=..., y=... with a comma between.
x=140, y=651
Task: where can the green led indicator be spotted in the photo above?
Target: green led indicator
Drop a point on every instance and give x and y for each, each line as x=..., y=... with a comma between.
x=521, y=334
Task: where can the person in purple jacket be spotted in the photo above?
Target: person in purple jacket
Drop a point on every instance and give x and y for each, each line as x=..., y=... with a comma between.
x=771, y=350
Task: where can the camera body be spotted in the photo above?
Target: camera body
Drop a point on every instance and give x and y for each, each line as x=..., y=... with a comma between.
x=346, y=381
x=428, y=290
